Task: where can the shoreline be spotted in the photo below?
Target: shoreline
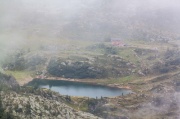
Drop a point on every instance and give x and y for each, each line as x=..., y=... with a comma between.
x=27, y=80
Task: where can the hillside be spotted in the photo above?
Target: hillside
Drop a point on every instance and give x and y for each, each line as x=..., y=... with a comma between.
x=92, y=60
x=27, y=103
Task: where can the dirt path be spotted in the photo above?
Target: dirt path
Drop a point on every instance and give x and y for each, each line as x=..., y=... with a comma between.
x=153, y=77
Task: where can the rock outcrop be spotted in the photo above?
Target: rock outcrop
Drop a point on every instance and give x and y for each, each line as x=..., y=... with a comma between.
x=28, y=106
x=8, y=81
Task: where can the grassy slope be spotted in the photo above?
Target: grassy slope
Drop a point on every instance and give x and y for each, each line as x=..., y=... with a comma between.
x=70, y=48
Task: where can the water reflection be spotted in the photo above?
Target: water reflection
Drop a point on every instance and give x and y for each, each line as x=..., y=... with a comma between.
x=79, y=89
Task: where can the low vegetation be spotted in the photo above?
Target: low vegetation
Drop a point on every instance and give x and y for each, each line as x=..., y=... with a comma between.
x=28, y=102
x=77, y=69
x=140, y=68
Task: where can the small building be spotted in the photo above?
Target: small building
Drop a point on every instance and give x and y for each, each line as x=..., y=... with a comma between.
x=117, y=42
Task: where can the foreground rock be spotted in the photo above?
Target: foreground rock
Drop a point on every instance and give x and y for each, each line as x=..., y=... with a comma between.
x=28, y=106
x=31, y=103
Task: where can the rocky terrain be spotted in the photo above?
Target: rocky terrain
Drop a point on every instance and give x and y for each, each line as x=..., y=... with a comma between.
x=28, y=103
x=8, y=82
x=27, y=106
x=155, y=98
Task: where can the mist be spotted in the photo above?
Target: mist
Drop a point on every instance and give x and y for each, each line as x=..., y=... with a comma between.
x=31, y=21
x=90, y=20
x=53, y=24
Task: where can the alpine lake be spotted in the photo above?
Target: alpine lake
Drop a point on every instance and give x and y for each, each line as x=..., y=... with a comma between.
x=72, y=88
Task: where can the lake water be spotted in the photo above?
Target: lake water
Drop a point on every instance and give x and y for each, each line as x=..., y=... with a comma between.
x=78, y=88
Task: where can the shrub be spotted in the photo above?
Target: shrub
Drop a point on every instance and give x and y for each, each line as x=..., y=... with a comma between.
x=76, y=70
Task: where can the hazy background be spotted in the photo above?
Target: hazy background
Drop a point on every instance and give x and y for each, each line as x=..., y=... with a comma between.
x=90, y=19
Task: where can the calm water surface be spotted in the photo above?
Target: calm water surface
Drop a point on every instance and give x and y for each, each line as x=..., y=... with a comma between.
x=79, y=89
